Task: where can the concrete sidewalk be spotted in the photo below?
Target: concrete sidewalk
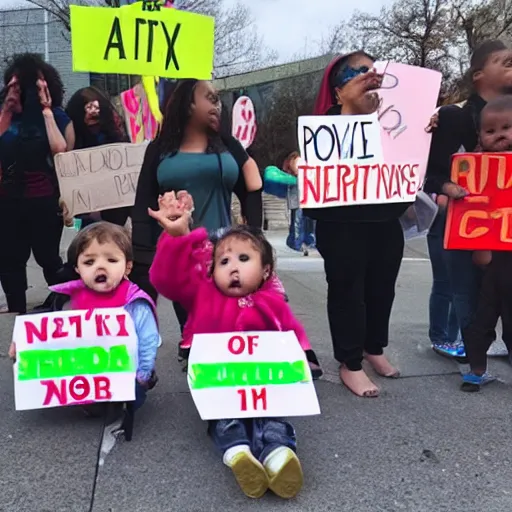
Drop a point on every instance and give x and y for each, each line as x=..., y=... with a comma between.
x=422, y=446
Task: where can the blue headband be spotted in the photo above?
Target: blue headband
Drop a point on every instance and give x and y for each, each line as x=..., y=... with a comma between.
x=348, y=73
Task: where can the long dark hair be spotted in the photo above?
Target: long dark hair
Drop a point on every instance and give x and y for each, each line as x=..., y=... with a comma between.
x=110, y=122
x=26, y=67
x=176, y=117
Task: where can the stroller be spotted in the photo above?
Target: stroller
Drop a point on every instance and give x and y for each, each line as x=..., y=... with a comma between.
x=59, y=302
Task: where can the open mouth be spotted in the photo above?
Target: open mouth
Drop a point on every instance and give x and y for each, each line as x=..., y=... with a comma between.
x=101, y=279
x=235, y=284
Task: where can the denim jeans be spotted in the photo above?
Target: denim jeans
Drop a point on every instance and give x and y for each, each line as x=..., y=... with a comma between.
x=443, y=322
x=302, y=231
x=262, y=435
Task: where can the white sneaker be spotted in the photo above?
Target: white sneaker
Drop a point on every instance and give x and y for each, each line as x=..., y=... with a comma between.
x=249, y=472
x=284, y=472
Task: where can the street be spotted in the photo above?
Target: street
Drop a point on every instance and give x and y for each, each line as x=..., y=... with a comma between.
x=422, y=446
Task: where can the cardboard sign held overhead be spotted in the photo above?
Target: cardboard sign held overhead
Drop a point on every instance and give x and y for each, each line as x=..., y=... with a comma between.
x=74, y=357
x=135, y=40
x=100, y=178
x=244, y=121
x=483, y=219
x=250, y=375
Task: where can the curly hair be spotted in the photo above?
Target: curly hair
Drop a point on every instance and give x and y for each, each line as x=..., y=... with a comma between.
x=110, y=122
x=27, y=66
x=176, y=117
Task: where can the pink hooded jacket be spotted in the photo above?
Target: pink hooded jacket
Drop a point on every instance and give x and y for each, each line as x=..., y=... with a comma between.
x=180, y=273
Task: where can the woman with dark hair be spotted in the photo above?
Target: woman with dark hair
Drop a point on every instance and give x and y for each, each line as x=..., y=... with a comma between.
x=96, y=123
x=33, y=128
x=362, y=245
x=191, y=153
x=456, y=280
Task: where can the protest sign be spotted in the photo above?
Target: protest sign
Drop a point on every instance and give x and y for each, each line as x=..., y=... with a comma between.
x=388, y=162
x=408, y=99
x=244, y=121
x=250, y=374
x=135, y=40
x=100, y=178
x=74, y=357
x=140, y=122
x=483, y=219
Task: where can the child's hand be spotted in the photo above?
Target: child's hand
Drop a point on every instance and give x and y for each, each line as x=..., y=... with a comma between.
x=12, y=351
x=174, y=212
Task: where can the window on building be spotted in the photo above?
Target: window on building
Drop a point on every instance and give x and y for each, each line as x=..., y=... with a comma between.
x=113, y=85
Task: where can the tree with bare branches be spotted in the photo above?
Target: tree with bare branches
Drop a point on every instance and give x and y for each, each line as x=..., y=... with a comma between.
x=238, y=46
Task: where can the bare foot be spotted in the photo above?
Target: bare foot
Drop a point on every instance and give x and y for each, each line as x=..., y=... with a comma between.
x=382, y=366
x=358, y=382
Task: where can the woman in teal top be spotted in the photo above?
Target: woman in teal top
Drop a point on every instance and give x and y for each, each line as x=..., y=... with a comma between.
x=190, y=153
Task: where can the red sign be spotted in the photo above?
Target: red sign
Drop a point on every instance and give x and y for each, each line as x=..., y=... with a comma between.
x=482, y=220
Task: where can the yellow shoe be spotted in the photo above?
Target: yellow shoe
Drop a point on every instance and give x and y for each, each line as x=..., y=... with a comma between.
x=249, y=472
x=284, y=472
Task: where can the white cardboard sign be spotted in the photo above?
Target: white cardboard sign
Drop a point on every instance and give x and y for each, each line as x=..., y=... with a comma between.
x=250, y=374
x=74, y=357
x=244, y=121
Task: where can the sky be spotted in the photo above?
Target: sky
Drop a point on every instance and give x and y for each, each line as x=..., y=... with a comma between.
x=288, y=26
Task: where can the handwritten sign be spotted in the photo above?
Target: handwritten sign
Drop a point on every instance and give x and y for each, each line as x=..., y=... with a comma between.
x=342, y=164
x=74, y=357
x=100, y=178
x=244, y=121
x=483, y=219
x=403, y=117
x=135, y=40
x=140, y=122
x=250, y=374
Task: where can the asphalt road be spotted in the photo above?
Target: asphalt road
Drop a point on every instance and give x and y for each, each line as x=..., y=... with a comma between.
x=422, y=446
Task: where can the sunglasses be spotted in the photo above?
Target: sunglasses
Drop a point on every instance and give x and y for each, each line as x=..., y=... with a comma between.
x=348, y=73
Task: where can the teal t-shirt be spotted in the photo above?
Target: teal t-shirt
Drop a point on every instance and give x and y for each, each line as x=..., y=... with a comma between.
x=210, y=185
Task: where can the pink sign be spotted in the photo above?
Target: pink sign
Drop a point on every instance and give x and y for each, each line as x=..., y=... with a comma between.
x=244, y=121
x=140, y=122
x=409, y=97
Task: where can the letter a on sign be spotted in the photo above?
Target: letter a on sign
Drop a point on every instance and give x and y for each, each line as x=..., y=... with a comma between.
x=244, y=121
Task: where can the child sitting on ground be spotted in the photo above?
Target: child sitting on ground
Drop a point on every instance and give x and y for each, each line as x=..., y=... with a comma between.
x=103, y=262
x=495, y=299
x=226, y=286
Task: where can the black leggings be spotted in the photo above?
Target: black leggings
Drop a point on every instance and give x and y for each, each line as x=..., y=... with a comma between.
x=494, y=301
x=28, y=225
x=362, y=261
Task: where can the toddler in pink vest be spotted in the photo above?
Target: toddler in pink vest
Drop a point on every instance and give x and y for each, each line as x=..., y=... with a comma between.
x=103, y=262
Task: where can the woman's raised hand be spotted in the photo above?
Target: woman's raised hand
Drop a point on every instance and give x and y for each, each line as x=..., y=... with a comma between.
x=174, y=212
x=12, y=99
x=44, y=94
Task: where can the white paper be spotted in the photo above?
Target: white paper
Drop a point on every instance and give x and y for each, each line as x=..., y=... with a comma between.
x=30, y=394
x=226, y=402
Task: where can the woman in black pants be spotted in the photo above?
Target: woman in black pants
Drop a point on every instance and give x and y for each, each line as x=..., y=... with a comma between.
x=362, y=246
x=33, y=128
x=190, y=154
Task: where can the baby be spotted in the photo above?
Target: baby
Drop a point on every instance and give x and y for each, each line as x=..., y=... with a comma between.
x=226, y=286
x=103, y=262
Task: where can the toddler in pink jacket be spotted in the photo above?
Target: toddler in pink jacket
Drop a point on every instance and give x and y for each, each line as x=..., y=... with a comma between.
x=227, y=286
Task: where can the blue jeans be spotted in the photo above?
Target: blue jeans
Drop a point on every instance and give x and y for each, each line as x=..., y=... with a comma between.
x=444, y=326
x=301, y=231
x=262, y=435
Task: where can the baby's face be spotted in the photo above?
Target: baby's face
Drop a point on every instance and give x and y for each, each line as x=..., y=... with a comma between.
x=102, y=266
x=238, y=268
x=496, y=131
